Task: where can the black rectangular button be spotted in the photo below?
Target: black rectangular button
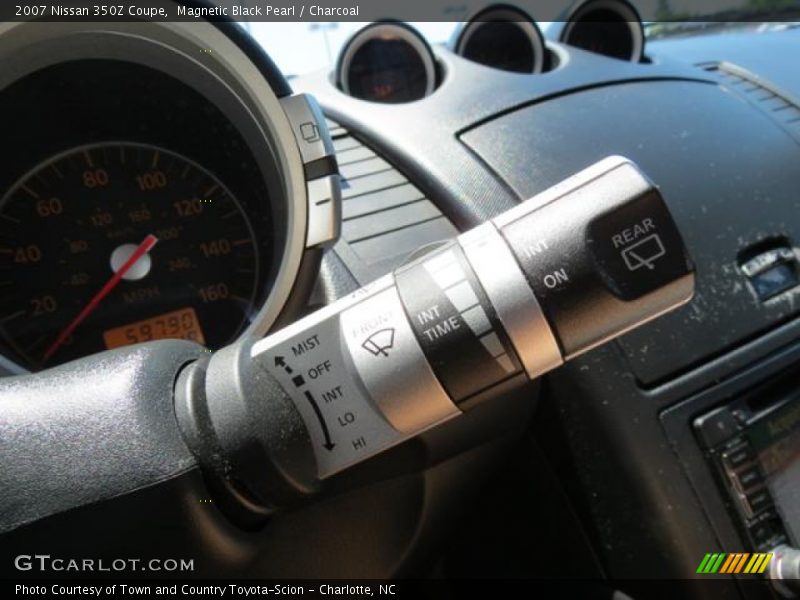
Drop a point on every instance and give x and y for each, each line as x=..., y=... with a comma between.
x=738, y=456
x=716, y=427
x=748, y=478
x=761, y=533
x=758, y=500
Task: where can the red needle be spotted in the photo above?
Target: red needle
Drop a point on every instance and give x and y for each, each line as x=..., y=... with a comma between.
x=145, y=247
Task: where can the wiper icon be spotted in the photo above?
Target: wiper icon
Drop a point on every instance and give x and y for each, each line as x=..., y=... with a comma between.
x=379, y=342
x=644, y=253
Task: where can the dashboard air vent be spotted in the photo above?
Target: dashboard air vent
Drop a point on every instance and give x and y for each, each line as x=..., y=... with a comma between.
x=384, y=216
x=779, y=106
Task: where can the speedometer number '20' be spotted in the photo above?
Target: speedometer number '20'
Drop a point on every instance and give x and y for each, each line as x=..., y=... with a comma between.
x=115, y=244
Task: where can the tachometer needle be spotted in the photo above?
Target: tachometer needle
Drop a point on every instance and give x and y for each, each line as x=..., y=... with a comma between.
x=143, y=248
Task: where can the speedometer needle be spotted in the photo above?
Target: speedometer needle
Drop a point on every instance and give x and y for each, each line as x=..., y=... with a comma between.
x=143, y=248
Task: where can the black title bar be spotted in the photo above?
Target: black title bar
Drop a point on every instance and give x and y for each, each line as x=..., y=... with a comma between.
x=371, y=10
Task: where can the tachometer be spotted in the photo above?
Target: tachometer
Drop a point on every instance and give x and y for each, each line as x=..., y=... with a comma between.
x=118, y=243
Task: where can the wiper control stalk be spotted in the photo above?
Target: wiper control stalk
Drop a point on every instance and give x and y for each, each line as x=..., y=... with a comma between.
x=506, y=302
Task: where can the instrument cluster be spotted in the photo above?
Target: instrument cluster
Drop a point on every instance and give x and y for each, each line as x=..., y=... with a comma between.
x=391, y=62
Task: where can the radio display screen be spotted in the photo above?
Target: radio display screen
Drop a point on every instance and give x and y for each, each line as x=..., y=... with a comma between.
x=776, y=439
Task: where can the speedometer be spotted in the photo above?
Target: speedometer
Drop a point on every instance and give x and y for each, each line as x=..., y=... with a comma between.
x=119, y=243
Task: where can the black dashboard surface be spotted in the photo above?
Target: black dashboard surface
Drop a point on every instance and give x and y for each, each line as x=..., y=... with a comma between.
x=718, y=163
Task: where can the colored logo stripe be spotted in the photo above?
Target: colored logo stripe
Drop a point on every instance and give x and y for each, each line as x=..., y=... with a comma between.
x=737, y=562
x=703, y=564
x=759, y=563
x=727, y=564
x=711, y=563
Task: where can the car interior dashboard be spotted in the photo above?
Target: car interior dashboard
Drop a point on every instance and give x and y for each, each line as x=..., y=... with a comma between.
x=635, y=458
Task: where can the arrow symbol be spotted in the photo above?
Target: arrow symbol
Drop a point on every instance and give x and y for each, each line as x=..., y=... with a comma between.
x=280, y=362
x=328, y=445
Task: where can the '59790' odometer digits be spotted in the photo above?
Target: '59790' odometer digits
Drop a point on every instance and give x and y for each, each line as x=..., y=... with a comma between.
x=119, y=243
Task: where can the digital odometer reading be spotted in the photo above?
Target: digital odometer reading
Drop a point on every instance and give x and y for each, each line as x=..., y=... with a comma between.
x=102, y=237
x=181, y=324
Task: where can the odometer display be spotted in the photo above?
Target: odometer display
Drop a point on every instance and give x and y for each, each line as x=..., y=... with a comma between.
x=69, y=234
x=181, y=324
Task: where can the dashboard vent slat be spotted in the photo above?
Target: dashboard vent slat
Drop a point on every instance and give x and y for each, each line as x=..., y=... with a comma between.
x=361, y=168
x=335, y=129
x=346, y=157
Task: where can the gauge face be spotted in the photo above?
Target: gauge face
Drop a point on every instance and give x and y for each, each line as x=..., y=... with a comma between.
x=504, y=38
x=387, y=62
x=501, y=44
x=609, y=27
x=611, y=36
x=114, y=244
